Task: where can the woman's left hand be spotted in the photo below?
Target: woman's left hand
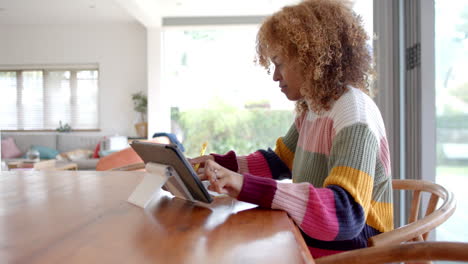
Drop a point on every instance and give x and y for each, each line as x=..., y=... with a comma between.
x=221, y=179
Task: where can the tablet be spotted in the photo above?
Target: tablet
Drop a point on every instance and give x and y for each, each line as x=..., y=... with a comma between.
x=169, y=154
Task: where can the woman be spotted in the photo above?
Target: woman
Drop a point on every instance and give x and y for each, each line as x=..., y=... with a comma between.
x=336, y=151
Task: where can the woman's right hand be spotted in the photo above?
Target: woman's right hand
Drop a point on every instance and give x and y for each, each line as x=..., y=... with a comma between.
x=200, y=160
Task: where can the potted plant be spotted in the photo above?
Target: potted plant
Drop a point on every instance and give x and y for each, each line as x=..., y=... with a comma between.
x=64, y=128
x=140, y=105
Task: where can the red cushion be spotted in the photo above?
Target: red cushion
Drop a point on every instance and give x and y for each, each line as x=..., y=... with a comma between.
x=96, y=150
x=9, y=149
x=124, y=157
x=118, y=159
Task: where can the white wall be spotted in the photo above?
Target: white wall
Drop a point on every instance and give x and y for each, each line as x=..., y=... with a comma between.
x=159, y=113
x=118, y=49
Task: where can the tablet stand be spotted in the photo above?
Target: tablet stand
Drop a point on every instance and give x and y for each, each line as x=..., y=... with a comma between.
x=158, y=175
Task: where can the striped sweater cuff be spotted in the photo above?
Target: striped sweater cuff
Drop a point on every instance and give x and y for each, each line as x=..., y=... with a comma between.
x=228, y=160
x=257, y=190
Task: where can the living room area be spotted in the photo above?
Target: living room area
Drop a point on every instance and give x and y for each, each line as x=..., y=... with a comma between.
x=68, y=73
x=80, y=80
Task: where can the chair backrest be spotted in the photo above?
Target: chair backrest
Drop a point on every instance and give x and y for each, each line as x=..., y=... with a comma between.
x=118, y=159
x=413, y=251
x=126, y=159
x=418, y=229
x=172, y=139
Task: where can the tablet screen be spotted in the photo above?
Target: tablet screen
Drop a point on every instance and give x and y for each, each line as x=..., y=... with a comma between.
x=169, y=154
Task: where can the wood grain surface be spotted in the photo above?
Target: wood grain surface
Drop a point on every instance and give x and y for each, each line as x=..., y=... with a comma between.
x=83, y=217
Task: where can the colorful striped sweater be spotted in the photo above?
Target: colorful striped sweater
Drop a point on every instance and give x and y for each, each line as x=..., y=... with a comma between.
x=339, y=163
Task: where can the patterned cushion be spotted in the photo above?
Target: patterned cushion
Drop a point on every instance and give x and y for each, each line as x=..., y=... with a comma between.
x=77, y=154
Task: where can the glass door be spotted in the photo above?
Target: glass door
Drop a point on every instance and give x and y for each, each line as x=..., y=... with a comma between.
x=451, y=47
x=228, y=100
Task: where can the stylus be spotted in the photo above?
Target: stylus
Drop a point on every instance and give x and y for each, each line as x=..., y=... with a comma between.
x=202, y=152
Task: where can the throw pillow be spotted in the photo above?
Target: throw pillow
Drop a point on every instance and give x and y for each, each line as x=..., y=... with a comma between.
x=96, y=150
x=45, y=152
x=9, y=149
x=78, y=154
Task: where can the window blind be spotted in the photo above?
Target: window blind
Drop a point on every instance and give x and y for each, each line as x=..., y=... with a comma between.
x=42, y=99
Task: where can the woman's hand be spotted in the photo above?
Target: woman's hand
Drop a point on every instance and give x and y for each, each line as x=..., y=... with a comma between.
x=200, y=160
x=221, y=179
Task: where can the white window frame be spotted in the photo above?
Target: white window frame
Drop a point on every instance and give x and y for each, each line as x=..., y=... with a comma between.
x=73, y=69
x=407, y=97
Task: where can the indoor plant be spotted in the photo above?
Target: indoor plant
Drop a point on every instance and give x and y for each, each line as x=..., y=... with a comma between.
x=140, y=105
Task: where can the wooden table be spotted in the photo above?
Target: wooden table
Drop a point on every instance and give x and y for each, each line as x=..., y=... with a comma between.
x=83, y=217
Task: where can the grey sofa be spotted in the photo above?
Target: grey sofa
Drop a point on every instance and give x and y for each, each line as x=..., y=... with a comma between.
x=62, y=142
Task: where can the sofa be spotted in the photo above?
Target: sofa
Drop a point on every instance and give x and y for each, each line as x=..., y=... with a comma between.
x=62, y=142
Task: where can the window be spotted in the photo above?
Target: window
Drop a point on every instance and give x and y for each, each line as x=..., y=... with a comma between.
x=222, y=96
x=44, y=99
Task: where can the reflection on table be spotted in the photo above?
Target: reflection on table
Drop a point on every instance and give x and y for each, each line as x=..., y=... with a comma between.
x=83, y=217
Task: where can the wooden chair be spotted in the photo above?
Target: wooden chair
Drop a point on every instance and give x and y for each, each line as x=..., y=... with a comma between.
x=118, y=159
x=411, y=251
x=418, y=229
x=391, y=246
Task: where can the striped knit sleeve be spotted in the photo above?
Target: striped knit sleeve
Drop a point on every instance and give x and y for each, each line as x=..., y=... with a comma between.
x=263, y=163
x=275, y=164
x=326, y=214
x=338, y=210
x=286, y=146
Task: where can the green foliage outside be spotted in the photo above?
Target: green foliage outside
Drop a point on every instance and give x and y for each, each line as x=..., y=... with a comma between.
x=228, y=128
x=201, y=34
x=452, y=170
x=463, y=27
x=456, y=121
x=451, y=129
x=460, y=92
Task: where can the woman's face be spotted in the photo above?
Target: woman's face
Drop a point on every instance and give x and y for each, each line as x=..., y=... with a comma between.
x=288, y=74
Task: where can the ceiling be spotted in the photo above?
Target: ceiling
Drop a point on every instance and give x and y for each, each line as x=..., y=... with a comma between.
x=147, y=12
x=221, y=7
x=61, y=12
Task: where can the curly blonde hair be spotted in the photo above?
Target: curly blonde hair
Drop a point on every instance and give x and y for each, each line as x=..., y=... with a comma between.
x=328, y=41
